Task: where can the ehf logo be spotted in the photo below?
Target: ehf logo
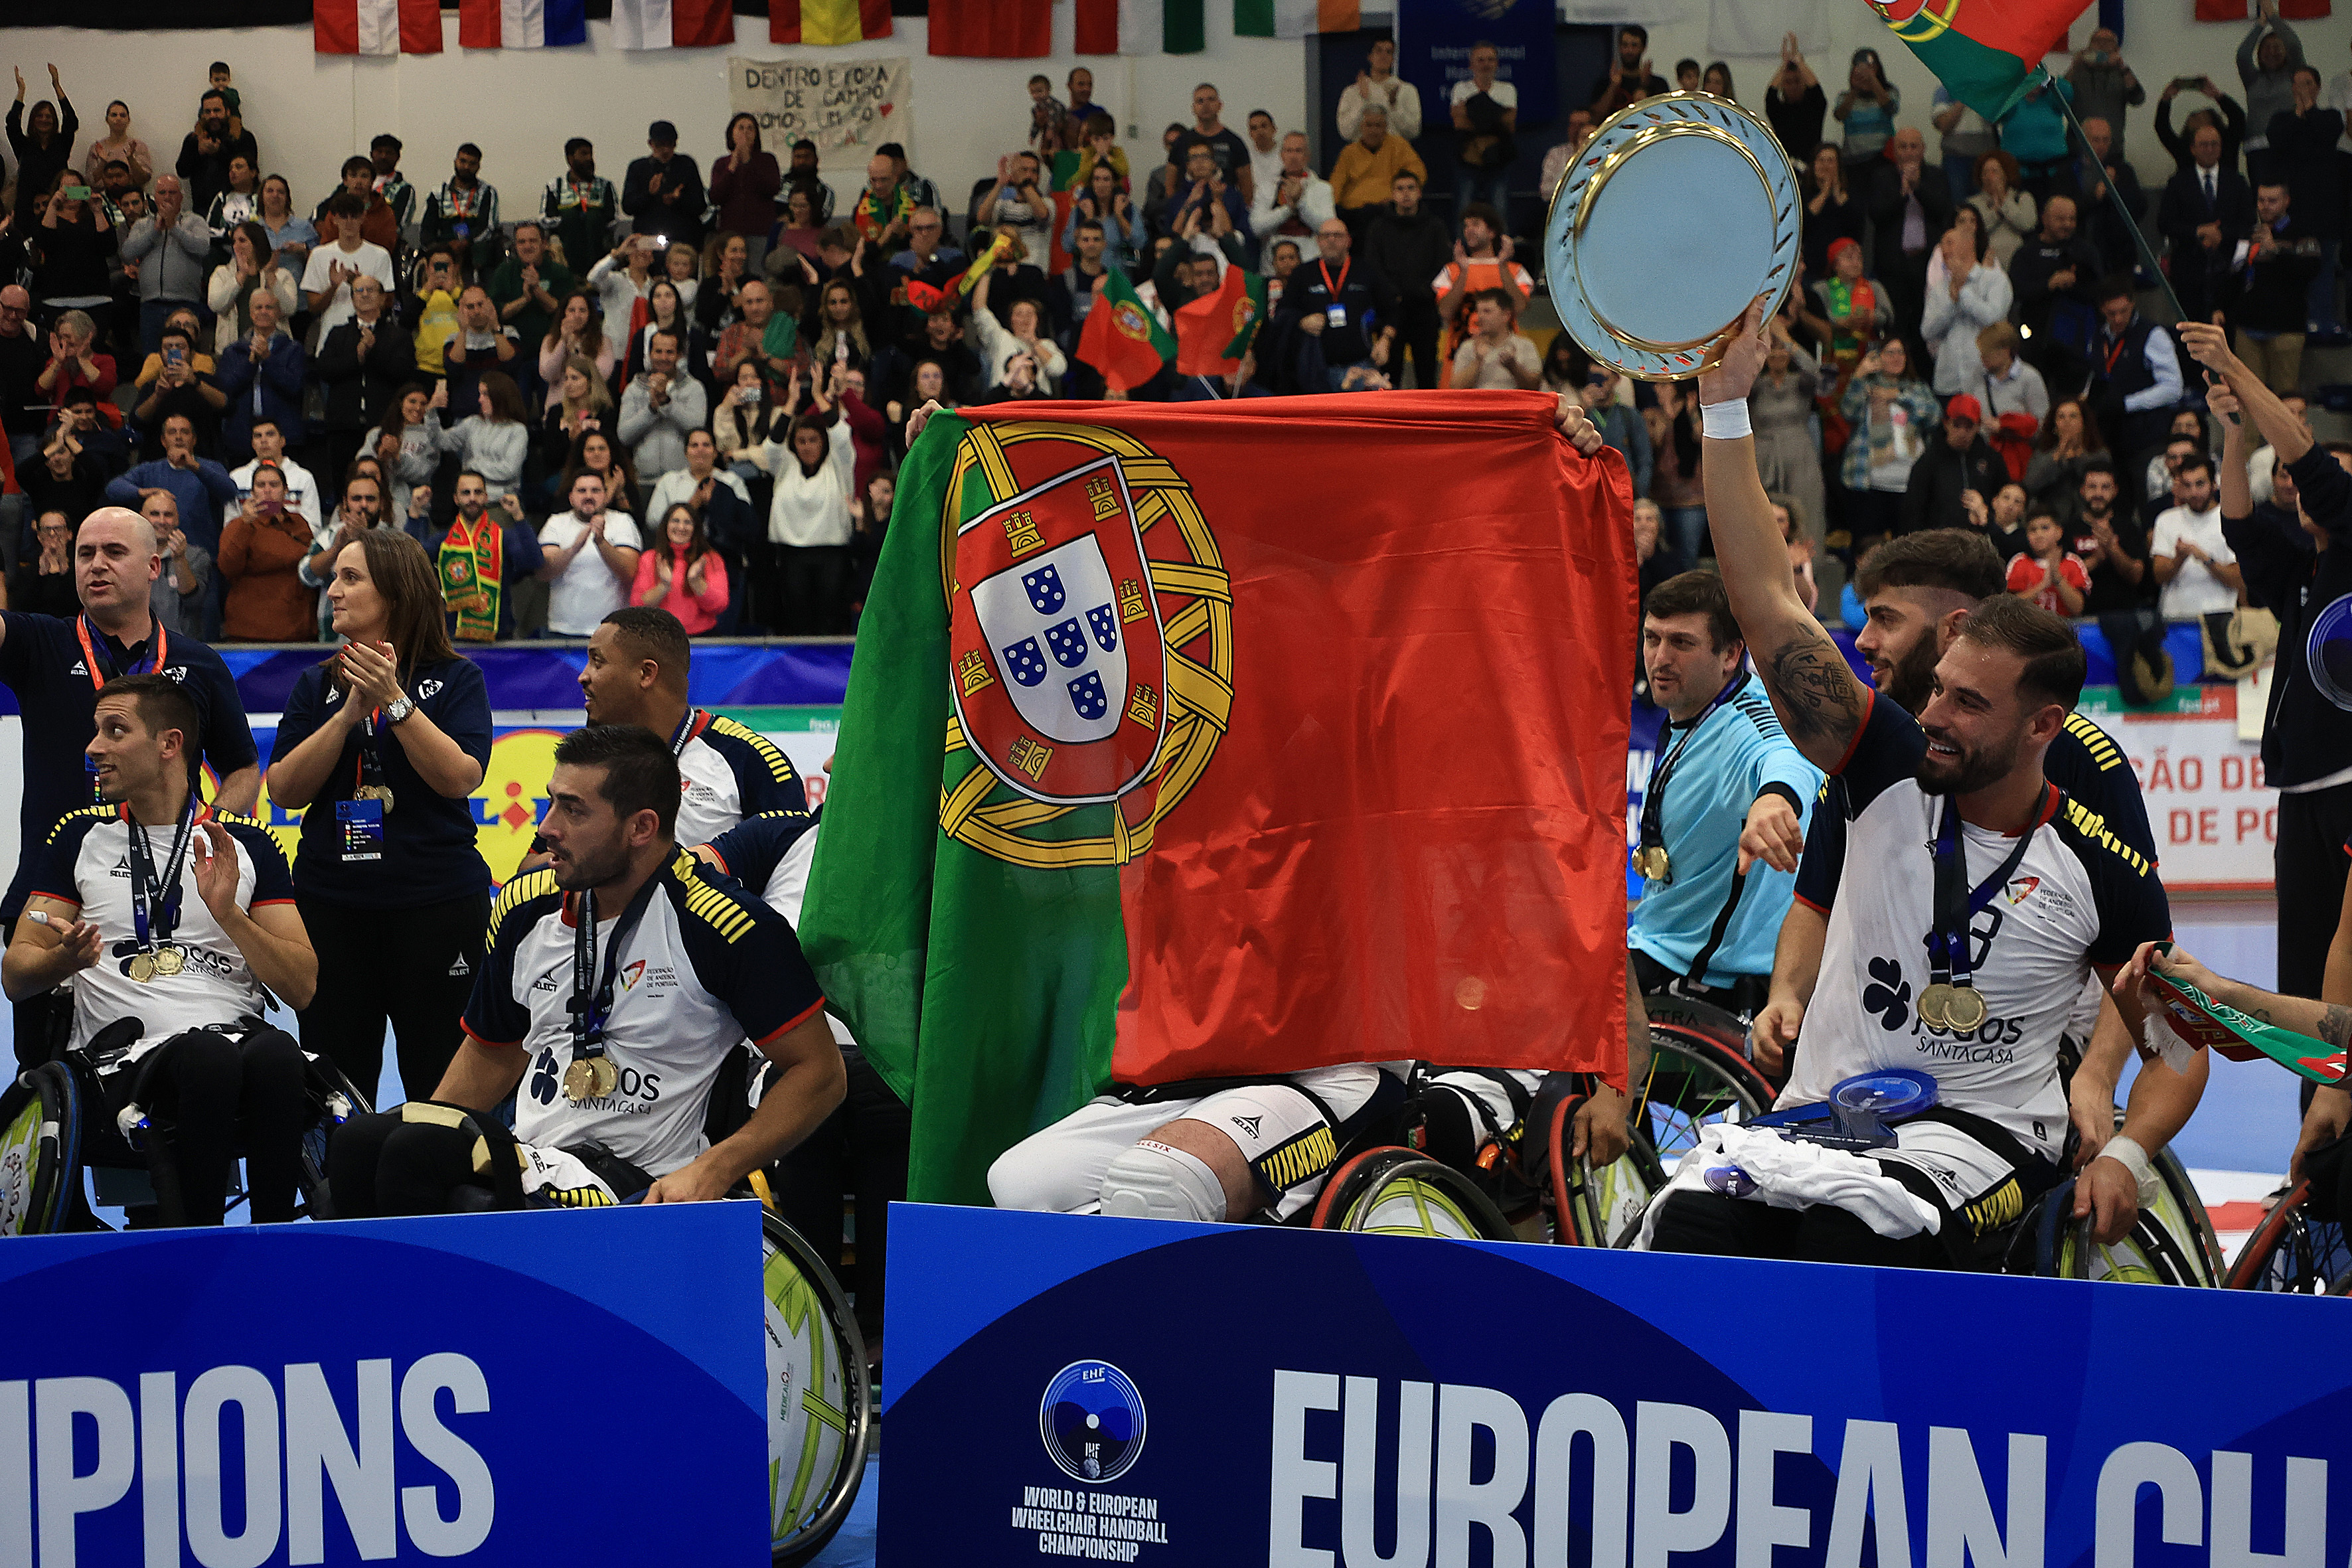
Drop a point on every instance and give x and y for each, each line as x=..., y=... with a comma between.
x=1091, y=1420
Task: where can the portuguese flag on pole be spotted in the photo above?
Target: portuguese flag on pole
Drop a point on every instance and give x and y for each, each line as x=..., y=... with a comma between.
x=1215, y=331
x=1123, y=340
x=1988, y=52
x=1177, y=747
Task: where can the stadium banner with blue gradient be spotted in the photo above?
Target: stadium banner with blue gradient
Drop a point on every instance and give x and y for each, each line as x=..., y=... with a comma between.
x=575, y=1388
x=1139, y=1391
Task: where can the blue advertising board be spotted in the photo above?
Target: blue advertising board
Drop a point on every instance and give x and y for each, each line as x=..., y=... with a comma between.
x=575, y=1388
x=1434, y=40
x=1137, y=1391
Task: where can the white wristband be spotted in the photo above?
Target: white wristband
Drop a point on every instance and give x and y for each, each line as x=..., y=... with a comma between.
x=2126, y=1153
x=1725, y=421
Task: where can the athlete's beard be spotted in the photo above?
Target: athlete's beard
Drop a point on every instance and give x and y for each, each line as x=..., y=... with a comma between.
x=1912, y=681
x=584, y=872
x=1974, y=770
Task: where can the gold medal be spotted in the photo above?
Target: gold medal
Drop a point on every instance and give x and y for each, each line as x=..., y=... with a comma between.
x=1964, y=1010
x=580, y=1080
x=170, y=960
x=142, y=969
x=1934, y=1004
x=376, y=792
x=1652, y=862
x=606, y=1077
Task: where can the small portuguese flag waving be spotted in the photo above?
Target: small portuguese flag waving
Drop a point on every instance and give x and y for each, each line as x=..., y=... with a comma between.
x=1176, y=749
x=1987, y=51
x=1123, y=340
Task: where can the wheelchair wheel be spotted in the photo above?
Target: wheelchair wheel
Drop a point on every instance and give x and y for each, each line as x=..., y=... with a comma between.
x=819, y=1418
x=1691, y=1016
x=1398, y=1192
x=1597, y=1207
x=334, y=1100
x=2181, y=1216
x=1694, y=1080
x=2294, y=1253
x=40, y=1151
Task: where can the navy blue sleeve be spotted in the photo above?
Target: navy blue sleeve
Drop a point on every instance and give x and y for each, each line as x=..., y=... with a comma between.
x=764, y=779
x=53, y=862
x=458, y=700
x=746, y=955
x=492, y=1014
x=2085, y=762
x=1824, y=859
x=273, y=882
x=28, y=635
x=1885, y=752
x=228, y=737
x=752, y=849
x=303, y=713
x=2126, y=893
x=524, y=553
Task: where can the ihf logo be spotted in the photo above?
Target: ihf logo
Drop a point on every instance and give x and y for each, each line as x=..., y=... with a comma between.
x=1091, y=1420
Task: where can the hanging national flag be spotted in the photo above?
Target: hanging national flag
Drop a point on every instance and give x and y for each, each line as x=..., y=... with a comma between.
x=827, y=21
x=1208, y=328
x=672, y=24
x=376, y=26
x=520, y=23
x=1140, y=27
x=1984, y=50
x=993, y=29
x=1123, y=340
x=1295, y=18
x=1130, y=783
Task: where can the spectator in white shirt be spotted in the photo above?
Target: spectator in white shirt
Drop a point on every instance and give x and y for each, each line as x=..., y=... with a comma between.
x=1378, y=84
x=591, y=560
x=659, y=407
x=1292, y=199
x=622, y=278
x=2192, y=561
x=1264, y=149
x=1966, y=294
x=327, y=276
x=808, y=521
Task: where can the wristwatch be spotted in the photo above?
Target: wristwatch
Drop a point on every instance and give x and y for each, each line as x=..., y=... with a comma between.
x=399, y=707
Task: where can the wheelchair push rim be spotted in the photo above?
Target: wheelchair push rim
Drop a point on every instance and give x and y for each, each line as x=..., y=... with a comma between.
x=1402, y=1191
x=40, y=1126
x=1597, y=1207
x=2292, y=1253
x=1694, y=1080
x=820, y=1415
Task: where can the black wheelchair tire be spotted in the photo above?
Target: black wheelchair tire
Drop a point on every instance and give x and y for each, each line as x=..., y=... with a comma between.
x=826, y=1519
x=323, y=1083
x=2284, y=1255
x=1351, y=1194
x=1695, y=1017
x=40, y=1119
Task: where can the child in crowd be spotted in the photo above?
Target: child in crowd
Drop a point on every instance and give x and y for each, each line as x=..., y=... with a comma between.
x=2046, y=573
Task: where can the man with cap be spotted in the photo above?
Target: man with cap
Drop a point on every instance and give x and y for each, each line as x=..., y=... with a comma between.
x=1963, y=461
x=663, y=192
x=388, y=182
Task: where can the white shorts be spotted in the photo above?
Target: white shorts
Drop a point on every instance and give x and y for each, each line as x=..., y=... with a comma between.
x=1279, y=1129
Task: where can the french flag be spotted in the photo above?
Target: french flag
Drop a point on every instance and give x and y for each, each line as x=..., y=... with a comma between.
x=376, y=26
x=673, y=24
x=521, y=24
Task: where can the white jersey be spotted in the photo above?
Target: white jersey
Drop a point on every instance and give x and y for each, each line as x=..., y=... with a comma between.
x=730, y=773
x=705, y=969
x=2078, y=897
x=587, y=591
x=86, y=864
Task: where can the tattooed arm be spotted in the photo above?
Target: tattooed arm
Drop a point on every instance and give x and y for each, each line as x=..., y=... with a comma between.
x=1822, y=705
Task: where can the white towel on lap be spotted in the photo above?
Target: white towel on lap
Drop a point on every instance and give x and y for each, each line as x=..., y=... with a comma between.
x=1792, y=1173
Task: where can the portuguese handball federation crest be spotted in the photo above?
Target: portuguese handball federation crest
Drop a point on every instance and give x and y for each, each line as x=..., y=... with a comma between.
x=1090, y=643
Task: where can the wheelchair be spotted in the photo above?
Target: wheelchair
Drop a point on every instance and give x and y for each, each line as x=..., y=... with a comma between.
x=55, y=1124
x=2295, y=1252
x=2172, y=1243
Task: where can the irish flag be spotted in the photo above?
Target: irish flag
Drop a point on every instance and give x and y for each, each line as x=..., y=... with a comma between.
x=1295, y=18
x=1986, y=51
x=1183, y=744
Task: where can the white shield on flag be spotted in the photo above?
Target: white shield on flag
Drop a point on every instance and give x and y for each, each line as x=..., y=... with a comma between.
x=1054, y=630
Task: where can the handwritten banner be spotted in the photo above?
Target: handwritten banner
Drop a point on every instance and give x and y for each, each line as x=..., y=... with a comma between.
x=847, y=107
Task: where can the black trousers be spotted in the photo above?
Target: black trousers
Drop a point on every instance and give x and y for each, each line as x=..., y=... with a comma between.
x=1416, y=324
x=812, y=590
x=1734, y=1227
x=214, y=1092
x=380, y=1167
x=2308, y=867
x=413, y=968
x=860, y=1149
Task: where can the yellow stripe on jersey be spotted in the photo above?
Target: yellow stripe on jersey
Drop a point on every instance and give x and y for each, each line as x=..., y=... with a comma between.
x=2095, y=741
x=2093, y=826
x=1308, y=1154
x=522, y=890
x=101, y=813
x=715, y=909
x=780, y=767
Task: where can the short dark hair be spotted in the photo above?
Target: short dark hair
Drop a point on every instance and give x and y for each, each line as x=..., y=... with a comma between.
x=215, y=66
x=355, y=164
x=1696, y=594
x=468, y=147
x=640, y=774
x=887, y=150
x=573, y=144
x=346, y=204
x=1637, y=30
x=2054, y=663
x=2198, y=460
x=1956, y=560
x=676, y=339
x=162, y=704
x=804, y=141
x=1484, y=214
x=385, y=139
x=1090, y=222
x=654, y=633
x=2102, y=463
x=259, y=421
x=213, y=93
x=1687, y=65
x=2116, y=286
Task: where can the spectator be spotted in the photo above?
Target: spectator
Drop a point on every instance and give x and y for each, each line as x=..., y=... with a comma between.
x=388, y=184
x=1023, y=331
x=261, y=552
x=2034, y=133
x=2046, y=573
x=2206, y=206
x=1407, y=248
x=722, y=505
x=2004, y=522
x=1379, y=86
x=2303, y=157
x=433, y=309
x=482, y=560
x=239, y=202
x=379, y=224
x=591, y=559
x=71, y=244
x=2012, y=386
x=1965, y=295
x=494, y=442
x=2005, y=213
x=1628, y=80
x=662, y=194
x=1687, y=76
x=2162, y=482
x=1018, y=200
x=1832, y=212
x=205, y=152
x=799, y=234
x=584, y=401
x=1794, y=104
x=1118, y=231
x=1334, y=301
x=2136, y=375
x=659, y=407
x=178, y=379
x=1855, y=312
x=1676, y=482
x=1486, y=113
x=172, y=246
x=1780, y=409
x=683, y=573
x=2118, y=558
x=1576, y=130
x=2054, y=279
x=763, y=336
x=1961, y=462
x=1264, y=151
x=581, y=203
x=2279, y=263
x=1081, y=85
x=744, y=185
x=2111, y=201
x=1964, y=140
x=1909, y=207
x=809, y=525
x=841, y=326
x=1718, y=80
x=599, y=454
x=302, y=491
x=251, y=265
x=748, y=418
x=1495, y=353
x=2069, y=441
x=201, y=487
x=1292, y=199
x=2104, y=85
x=1892, y=413
x=464, y=215
x=665, y=311
x=1482, y=260
x=1867, y=108
x=801, y=173
x=292, y=237
x=620, y=279
x=1099, y=145
x=43, y=583
x=2268, y=58
x=2228, y=121
x=118, y=145
x=1229, y=151
x=725, y=265
x=530, y=286
x=44, y=148
x=1619, y=424
x=363, y=364
x=480, y=343
x=263, y=375
x=65, y=474
x=327, y=277
x=23, y=403
x=1363, y=177
x=2193, y=562
x=360, y=509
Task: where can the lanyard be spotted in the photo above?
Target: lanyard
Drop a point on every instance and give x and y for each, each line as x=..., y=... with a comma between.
x=1325, y=268
x=150, y=891
x=1956, y=905
x=591, y=1012
x=92, y=658
x=370, y=767
x=2114, y=354
x=1653, y=797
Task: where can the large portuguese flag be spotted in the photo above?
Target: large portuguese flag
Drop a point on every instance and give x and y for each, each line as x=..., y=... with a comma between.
x=1988, y=52
x=1185, y=741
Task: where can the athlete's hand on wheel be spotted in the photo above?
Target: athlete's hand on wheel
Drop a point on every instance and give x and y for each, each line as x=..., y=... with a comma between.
x=1600, y=1127
x=1581, y=432
x=2106, y=1195
x=1773, y=835
x=1772, y=1034
x=2330, y=1114
x=695, y=1184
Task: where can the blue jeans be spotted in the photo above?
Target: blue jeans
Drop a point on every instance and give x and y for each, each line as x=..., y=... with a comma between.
x=1686, y=532
x=1492, y=186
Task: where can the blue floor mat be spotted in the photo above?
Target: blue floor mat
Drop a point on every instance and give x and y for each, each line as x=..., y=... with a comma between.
x=853, y=1547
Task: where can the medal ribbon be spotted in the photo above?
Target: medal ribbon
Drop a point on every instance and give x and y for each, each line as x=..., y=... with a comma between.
x=91, y=660
x=591, y=1012
x=151, y=891
x=1653, y=797
x=369, y=767
x=1956, y=906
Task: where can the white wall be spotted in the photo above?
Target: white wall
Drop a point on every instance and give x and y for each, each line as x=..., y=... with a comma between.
x=310, y=111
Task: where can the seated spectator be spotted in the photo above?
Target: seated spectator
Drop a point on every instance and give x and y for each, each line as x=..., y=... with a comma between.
x=327, y=277
x=2193, y=563
x=583, y=402
x=2045, y=573
x=2055, y=282
x=1851, y=312
x=2121, y=582
x=529, y=287
x=2277, y=267
x=684, y=272
x=928, y=382
x=1332, y=302
x=71, y=244
x=744, y=185
x=598, y=453
x=464, y=215
x=261, y=552
x=251, y=265
x=1966, y=294
x=205, y=152
x=1023, y=333
x=1655, y=565
x=483, y=559
x=1619, y=424
x=722, y=503
x=1378, y=86
x=1366, y=168
x=364, y=365
x=43, y=583
x=2005, y=213
x=1867, y=108
x=118, y=145
x=620, y=279
x=178, y=379
x=2261, y=461
x=292, y=237
x=1204, y=190
x=801, y=173
x=1833, y=211
x=576, y=332
x=262, y=375
x=725, y=265
x=240, y=202
x=1482, y=260
x=1496, y=353
x=680, y=572
x=659, y=407
x=1576, y=130
x=662, y=194
x=1962, y=461
x=1892, y=414
x=494, y=441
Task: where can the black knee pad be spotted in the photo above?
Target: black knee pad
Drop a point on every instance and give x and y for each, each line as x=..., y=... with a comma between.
x=1451, y=1131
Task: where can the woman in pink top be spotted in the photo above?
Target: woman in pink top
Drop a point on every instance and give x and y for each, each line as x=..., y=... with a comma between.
x=578, y=334
x=683, y=575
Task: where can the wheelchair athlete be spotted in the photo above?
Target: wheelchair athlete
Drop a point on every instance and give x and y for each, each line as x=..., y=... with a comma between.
x=165, y=984
x=622, y=1021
